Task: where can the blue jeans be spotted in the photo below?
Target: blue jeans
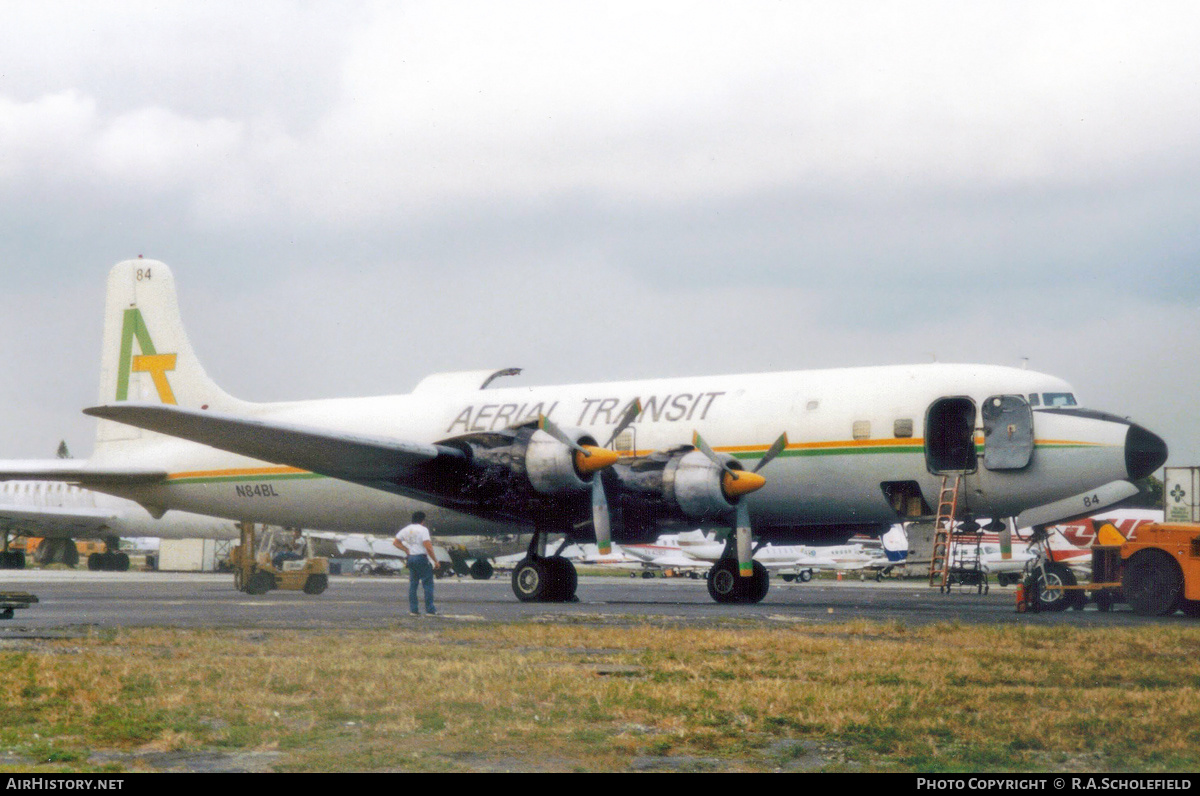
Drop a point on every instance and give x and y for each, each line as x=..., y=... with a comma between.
x=420, y=571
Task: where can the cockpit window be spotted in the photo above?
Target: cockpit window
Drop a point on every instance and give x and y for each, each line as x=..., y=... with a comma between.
x=1059, y=398
x=1034, y=400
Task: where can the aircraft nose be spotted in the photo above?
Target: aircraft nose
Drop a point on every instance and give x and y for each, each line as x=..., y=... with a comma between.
x=1145, y=452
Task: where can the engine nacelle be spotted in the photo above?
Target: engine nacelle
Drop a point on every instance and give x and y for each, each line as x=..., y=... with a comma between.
x=552, y=467
x=694, y=483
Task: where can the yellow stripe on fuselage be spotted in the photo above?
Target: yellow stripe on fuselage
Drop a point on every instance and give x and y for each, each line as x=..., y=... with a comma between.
x=240, y=472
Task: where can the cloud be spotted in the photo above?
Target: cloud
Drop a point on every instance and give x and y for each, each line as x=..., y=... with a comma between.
x=607, y=191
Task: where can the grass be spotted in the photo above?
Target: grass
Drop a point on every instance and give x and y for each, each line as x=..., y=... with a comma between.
x=577, y=697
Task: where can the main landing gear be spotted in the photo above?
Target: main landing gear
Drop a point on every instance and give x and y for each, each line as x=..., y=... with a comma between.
x=542, y=578
x=111, y=560
x=726, y=585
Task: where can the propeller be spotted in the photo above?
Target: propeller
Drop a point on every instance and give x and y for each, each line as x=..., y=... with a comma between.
x=734, y=483
x=588, y=458
x=737, y=483
x=627, y=417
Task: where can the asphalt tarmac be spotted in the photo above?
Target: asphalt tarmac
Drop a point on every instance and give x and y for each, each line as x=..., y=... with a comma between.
x=188, y=600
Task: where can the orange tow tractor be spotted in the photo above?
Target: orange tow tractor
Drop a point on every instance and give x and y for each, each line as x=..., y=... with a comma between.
x=256, y=574
x=1158, y=572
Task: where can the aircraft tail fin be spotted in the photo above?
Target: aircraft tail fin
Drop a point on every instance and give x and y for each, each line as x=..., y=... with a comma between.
x=146, y=354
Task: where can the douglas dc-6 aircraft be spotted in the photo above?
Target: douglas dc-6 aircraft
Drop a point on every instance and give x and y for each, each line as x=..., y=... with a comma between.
x=834, y=452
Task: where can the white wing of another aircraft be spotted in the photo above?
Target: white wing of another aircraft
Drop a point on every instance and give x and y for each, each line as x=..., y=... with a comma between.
x=58, y=513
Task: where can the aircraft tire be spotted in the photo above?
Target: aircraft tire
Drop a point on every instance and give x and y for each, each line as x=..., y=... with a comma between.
x=804, y=575
x=121, y=562
x=562, y=578
x=260, y=583
x=529, y=580
x=1050, y=597
x=723, y=584
x=1152, y=583
x=1190, y=607
x=482, y=570
x=760, y=584
x=315, y=584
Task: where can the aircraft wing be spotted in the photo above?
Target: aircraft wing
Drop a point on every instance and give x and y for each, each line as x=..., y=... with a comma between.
x=338, y=455
x=409, y=468
x=51, y=522
x=76, y=471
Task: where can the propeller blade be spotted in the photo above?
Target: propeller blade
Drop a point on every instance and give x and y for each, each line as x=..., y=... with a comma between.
x=702, y=446
x=627, y=417
x=742, y=529
x=547, y=425
x=776, y=448
x=601, y=522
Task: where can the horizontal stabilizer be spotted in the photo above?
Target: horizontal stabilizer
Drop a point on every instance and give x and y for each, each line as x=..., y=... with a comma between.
x=330, y=453
x=76, y=472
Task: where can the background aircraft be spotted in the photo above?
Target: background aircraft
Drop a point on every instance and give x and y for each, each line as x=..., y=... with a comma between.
x=59, y=513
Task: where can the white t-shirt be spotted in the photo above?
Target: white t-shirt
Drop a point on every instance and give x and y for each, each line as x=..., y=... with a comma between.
x=413, y=537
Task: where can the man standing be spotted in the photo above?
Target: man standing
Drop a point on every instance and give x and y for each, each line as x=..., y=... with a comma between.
x=414, y=540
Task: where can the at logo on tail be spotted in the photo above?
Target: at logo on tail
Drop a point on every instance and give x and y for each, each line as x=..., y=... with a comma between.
x=148, y=361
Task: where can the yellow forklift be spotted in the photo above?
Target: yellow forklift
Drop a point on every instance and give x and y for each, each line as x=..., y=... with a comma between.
x=258, y=574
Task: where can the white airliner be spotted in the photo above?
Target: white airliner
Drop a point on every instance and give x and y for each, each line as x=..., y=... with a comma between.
x=837, y=451
x=58, y=513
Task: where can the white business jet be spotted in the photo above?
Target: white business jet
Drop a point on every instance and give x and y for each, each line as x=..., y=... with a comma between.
x=834, y=452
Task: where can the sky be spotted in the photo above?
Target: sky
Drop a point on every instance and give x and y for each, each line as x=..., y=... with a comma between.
x=353, y=195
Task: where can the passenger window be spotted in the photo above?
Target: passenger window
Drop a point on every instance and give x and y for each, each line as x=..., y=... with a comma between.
x=862, y=429
x=903, y=429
